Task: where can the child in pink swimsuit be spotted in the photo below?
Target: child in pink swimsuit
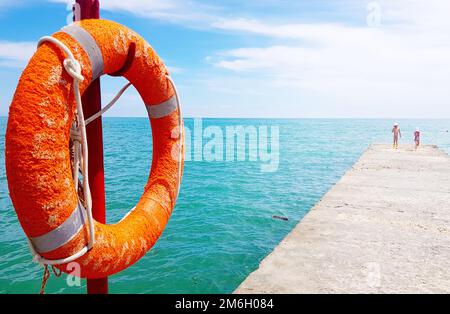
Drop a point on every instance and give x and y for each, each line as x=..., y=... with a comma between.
x=417, y=138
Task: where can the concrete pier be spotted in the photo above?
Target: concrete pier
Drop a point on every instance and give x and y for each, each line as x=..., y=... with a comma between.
x=383, y=228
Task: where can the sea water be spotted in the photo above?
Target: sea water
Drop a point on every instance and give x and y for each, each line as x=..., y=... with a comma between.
x=223, y=224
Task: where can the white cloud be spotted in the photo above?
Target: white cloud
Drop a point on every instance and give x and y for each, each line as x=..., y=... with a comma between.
x=346, y=69
x=168, y=10
x=174, y=69
x=6, y=3
x=289, y=31
x=9, y=4
x=402, y=66
x=16, y=54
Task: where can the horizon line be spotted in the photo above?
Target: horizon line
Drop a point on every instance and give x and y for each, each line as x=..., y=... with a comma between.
x=282, y=118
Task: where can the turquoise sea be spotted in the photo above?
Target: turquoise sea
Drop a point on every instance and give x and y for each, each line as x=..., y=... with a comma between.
x=222, y=226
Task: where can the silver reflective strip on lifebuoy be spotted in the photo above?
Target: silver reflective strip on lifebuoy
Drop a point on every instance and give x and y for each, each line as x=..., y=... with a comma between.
x=90, y=47
x=163, y=109
x=62, y=234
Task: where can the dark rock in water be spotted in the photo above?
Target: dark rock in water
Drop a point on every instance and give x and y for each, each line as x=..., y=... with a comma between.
x=280, y=218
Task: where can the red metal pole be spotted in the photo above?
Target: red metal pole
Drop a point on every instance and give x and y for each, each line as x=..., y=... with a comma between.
x=90, y=9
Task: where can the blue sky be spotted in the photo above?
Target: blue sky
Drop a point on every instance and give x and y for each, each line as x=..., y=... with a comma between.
x=230, y=58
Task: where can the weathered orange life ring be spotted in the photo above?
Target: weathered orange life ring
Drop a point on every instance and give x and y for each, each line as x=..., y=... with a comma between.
x=38, y=160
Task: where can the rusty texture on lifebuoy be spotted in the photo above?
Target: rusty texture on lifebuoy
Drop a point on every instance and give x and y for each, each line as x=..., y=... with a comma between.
x=37, y=148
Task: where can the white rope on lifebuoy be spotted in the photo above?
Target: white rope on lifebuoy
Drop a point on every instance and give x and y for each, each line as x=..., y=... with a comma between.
x=78, y=135
x=180, y=119
x=79, y=138
x=109, y=105
x=180, y=123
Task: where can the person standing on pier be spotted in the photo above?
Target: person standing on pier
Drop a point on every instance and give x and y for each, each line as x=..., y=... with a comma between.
x=417, y=138
x=396, y=131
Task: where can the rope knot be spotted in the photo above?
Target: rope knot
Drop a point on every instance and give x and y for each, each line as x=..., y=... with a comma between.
x=75, y=134
x=37, y=259
x=73, y=67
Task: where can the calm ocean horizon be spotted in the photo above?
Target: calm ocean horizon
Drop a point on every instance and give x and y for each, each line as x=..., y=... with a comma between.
x=222, y=225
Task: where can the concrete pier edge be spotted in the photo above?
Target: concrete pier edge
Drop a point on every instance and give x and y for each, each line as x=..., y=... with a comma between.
x=383, y=228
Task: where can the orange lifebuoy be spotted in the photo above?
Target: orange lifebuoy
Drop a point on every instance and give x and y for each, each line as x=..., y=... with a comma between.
x=38, y=161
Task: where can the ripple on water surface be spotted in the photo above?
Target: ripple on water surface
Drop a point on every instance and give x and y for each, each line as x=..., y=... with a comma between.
x=222, y=225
